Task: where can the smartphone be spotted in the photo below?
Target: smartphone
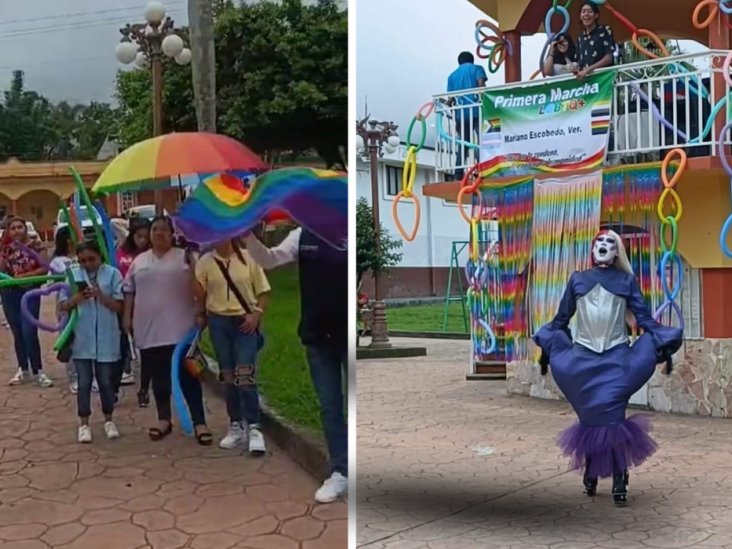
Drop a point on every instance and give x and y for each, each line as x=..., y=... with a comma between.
x=81, y=286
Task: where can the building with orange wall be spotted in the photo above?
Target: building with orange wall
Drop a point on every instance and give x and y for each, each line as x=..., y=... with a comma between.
x=34, y=190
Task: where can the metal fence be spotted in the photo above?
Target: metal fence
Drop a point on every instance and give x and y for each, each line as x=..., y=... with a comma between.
x=657, y=105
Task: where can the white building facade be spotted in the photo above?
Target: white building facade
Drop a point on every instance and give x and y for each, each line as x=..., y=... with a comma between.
x=426, y=260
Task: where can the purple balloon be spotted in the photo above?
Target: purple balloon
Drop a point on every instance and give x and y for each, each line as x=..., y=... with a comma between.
x=40, y=292
x=674, y=307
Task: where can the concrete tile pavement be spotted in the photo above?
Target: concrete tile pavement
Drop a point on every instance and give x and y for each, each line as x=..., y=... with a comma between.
x=444, y=463
x=133, y=493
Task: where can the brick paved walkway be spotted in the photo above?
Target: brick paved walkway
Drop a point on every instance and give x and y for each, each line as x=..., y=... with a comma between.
x=132, y=493
x=423, y=483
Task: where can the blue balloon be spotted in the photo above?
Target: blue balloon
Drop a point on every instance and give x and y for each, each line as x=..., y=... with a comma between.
x=108, y=233
x=726, y=228
x=181, y=408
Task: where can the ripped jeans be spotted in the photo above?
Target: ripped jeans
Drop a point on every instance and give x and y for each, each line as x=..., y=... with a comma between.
x=236, y=353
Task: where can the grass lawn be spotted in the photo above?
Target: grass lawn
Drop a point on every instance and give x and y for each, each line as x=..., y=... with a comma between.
x=426, y=318
x=283, y=376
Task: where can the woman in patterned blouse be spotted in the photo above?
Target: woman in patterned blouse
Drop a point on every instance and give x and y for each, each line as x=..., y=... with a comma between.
x=595, y=45
x=18, y=263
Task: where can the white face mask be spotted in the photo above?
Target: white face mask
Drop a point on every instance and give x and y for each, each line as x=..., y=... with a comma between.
x=604, y=250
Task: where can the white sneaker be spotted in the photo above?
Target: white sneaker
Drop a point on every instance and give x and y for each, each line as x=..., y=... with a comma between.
x=74, y=387
x=19, y=378
x=128, y=379
x=234, y=437
x=42, y=380
x=110, y=429
x=85, y=434
x=333, y=488
x=256, y=442
x=95, y=386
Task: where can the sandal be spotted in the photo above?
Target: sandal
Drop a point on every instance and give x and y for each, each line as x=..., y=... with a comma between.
x=156, y=433
x=204, y=438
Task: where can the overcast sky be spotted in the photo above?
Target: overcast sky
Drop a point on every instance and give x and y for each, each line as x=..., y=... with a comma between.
x=66, y=47
x=407, y=48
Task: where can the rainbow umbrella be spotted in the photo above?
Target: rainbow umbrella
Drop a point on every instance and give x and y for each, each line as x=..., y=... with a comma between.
x=152, y=163
x=223, y=206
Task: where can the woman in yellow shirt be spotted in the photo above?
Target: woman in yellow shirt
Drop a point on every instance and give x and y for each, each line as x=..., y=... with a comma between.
x=234, y=292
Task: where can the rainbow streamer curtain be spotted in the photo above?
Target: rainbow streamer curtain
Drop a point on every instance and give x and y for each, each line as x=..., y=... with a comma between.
x=481, y=272
x=512, y=203
x=565, y=220
x=629, y=198
x=223, y=206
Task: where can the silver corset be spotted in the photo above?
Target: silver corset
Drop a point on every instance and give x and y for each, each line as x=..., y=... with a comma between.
x=600, y=320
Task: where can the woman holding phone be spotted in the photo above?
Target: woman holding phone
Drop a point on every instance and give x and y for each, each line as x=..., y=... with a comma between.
x=95, y=349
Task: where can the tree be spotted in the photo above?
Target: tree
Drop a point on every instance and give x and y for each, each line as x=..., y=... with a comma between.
x=366, y=257
x=134, y=115
x=203, y=66
x=26, y=124
x=281, y=81
x=96, y=122
x=283, y=76
x=32, y=128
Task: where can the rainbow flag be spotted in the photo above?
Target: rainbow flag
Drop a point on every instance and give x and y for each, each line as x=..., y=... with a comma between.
x=223, y=206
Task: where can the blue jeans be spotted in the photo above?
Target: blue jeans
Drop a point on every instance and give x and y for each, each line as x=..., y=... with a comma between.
x=87, y=370
x=328, y=365
x=25, y=335
x=236, y=353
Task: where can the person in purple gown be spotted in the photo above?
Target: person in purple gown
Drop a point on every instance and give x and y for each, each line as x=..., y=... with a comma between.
x=598, y=369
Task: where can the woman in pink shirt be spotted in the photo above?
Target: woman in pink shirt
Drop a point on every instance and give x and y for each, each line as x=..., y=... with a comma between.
x=137, y=241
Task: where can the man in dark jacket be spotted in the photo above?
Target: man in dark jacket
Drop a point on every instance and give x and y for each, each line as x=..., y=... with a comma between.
x=324, y=333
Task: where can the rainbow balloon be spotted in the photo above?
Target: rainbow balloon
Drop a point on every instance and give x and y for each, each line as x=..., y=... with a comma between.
x=223, y=206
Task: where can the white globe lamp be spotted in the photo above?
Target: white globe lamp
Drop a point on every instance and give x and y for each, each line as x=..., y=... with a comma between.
x=184, y=57
x=393, y=141
x=359, y=143
x=141, y=60
x=154, y=13
x=126, y=52
x=172, y=45
x=389, y=149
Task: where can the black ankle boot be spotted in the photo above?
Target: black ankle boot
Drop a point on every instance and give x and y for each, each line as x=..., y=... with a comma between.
x=590, y=486
x=590, y=483
x=620, y=488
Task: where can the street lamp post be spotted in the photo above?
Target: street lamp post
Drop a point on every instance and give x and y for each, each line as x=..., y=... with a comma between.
x=373, y=139
x=145, y=44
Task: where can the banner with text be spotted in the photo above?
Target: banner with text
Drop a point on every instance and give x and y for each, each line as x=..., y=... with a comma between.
x=553, y=127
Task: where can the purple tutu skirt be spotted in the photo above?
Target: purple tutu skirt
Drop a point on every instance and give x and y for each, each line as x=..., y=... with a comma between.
x=609, y=448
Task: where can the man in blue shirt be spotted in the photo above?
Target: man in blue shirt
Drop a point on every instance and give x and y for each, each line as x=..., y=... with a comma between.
x=467, y=119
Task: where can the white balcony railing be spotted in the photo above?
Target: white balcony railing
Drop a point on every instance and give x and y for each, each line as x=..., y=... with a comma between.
x=688, y=91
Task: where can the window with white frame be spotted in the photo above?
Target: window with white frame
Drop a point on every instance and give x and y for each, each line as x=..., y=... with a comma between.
x=127, y=200
x=393, y=180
